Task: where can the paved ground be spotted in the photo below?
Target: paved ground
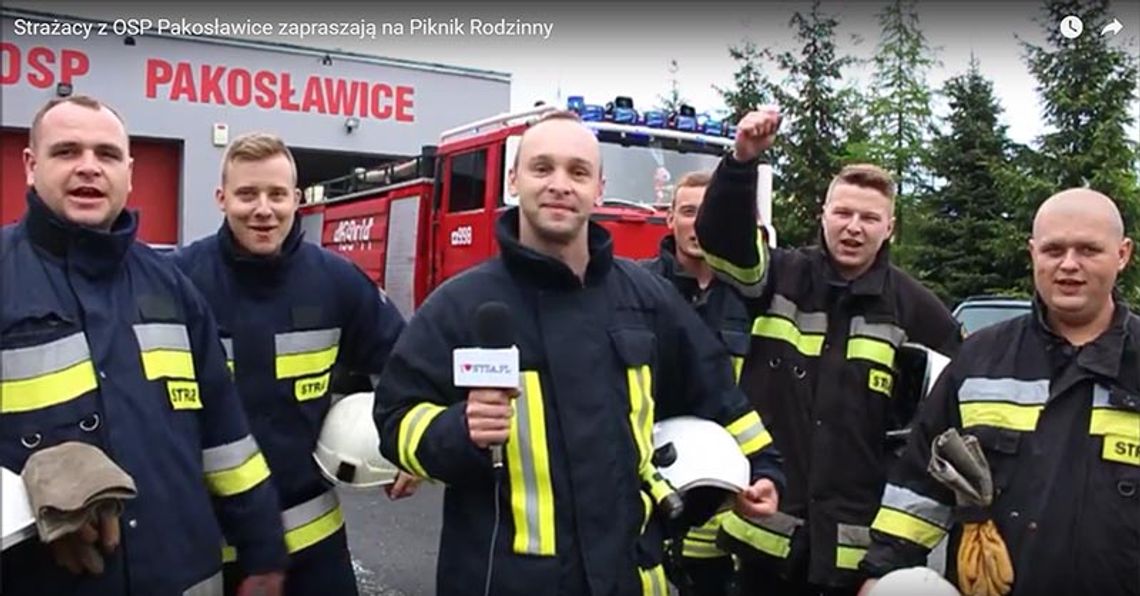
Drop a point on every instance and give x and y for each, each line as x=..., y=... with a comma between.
x=394, y=544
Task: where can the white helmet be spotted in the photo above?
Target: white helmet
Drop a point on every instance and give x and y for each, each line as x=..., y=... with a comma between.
x=18, y=522
x=348, y=450
x=913, y=581
x=702, y=461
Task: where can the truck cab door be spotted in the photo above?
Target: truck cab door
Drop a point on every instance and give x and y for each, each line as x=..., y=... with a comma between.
x=465, y=232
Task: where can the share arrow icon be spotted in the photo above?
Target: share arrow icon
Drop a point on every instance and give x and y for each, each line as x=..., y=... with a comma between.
x=1114, y=27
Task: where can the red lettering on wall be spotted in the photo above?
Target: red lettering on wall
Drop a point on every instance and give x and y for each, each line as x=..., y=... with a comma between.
x=405, y=103
x=264, y=81
x=43, y=67
x=212, y=84
x=287, y=103
x=238, y=84
x=158, y=72
x=314, y=98
x=378, y=110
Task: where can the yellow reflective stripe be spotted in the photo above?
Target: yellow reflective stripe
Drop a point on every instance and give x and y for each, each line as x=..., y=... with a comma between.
x=848, y=557
x=315, y=531
x=737, y=367
x=1125, y=450
x=412, y=428
x=761, y=539
x=306, y=363
x=750, y=434
x=47, y=390
x=183, y=395
x=1106, y=421
x=229, y=554
x=865, y=348
x=659, y=488
x=699, y=549
x=236, y=480
x=808, y=344
x=1000, y=415
x=640, y=413
x=907, y=527
x=653, y=582
x=165, y=363
x=528, y=468
x=880, y=381
x=745, y=276
x=647, y=509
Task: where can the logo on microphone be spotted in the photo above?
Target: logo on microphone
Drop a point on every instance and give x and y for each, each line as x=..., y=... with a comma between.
x=480, y=367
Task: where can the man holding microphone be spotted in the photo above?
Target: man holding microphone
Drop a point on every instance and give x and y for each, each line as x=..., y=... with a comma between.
x=566, y=513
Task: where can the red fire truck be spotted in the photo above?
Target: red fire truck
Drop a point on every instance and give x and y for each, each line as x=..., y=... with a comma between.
x=414, y=224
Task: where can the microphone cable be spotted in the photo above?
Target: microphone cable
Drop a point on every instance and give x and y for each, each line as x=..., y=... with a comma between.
x=498, y=473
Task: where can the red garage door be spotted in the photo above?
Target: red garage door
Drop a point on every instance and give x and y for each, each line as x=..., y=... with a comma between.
x=156, y=180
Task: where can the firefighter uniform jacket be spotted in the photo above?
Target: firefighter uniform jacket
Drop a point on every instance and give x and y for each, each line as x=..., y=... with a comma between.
x=820, y=373
x=573, y=515
x=724, y=314
x=284, y=322
x=1060, y=428
x=104, y=342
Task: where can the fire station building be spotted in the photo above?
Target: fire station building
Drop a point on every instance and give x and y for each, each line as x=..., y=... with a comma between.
x=185, y=98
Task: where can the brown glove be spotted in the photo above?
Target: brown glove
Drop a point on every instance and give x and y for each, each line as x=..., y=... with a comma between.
x=266, y=584
x=79, y=551
x=67, y=483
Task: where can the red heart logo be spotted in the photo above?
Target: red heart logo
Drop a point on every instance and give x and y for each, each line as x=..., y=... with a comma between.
x=467, y=367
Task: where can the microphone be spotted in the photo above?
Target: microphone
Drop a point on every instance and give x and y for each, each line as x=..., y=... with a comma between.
x=494, y=364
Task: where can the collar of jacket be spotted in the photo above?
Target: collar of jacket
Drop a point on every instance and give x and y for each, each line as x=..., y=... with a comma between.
x=675, y=273
x=94, y=253
x=1102, y=356
x=871, y=283
x=545, y=271
x=242, y=260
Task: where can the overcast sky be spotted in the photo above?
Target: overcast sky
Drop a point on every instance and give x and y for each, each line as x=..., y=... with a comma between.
x=603, y=50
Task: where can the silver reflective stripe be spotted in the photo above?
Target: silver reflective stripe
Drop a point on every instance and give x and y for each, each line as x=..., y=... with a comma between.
x=230, y=455
x=806, y=322
x=309, y=511
x=912, y=503
x=211, y=586
x=26, y=363
x=228, y=347
x=1026, y=393
x=750, y=432
x=779, y=522
x=655, y=586
x=530, y=482
x=1100, y=396
x=158, y=336
x=299, y=342
x=851, y=535
x=887, y=332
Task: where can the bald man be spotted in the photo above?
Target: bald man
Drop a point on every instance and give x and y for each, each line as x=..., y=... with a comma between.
x=1053, y=397
x=560, y=508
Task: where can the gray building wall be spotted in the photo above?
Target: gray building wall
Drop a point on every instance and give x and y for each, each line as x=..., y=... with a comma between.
x=443, y=97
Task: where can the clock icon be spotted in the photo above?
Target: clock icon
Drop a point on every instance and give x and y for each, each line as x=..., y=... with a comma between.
x=1072, y=27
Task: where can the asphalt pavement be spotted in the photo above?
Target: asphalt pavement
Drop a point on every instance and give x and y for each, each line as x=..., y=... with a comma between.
x=394, y=543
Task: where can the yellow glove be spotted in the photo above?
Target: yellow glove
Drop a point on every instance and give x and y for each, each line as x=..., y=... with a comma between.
x=984, y=568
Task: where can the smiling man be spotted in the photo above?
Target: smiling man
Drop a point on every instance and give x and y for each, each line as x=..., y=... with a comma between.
x=594, y=334
x=1053, y=397
x=821, y=372
x=288, y=311
x=105, y=343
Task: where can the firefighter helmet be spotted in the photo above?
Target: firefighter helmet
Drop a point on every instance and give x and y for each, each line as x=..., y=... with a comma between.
x=702, y=461
x=348, y=450
x=19, y=523
x=912, y=581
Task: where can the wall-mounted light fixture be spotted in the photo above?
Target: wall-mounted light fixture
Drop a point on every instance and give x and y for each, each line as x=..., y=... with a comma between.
x=63, y=89
x=351, y=123
x=327, y=60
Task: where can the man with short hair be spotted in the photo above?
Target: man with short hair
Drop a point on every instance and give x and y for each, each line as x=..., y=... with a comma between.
x=567, y=514
x=1053, y=398
x=104, y=342
x=822, y=370
x=288, y=310
x=703, y=569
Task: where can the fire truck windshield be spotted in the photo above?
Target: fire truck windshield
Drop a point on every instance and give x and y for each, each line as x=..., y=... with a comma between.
x=646, y=174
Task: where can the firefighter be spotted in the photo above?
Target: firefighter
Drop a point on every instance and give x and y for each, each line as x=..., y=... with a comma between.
x=288, y=310
x=828, y=320
x=103, y=342
x=567, y=513
x=1053, y=400
x=704, y=569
